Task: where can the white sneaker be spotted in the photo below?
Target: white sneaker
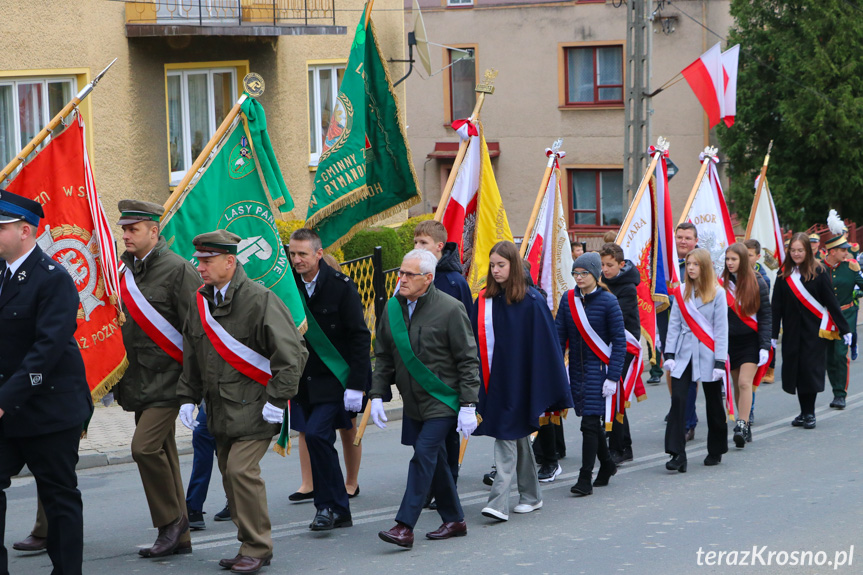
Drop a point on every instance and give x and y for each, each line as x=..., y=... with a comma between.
x=526, y=507
x=495, y=514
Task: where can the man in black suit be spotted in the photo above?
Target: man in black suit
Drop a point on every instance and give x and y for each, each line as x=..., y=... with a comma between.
x=336, y=374
x=44, y=398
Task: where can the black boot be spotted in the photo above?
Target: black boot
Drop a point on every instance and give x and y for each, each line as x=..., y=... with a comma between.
x=740, y=434
x=606, y=470
x=582, y=486
x=676, y=463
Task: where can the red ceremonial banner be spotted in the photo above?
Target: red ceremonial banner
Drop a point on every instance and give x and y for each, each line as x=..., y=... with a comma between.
x=58, y=179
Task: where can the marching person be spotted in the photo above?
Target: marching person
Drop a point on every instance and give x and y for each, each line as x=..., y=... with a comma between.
x=806, y=309
x=590, y=322
x=753, y=246
x=437, y=374
x=749, y=328
x=244, y=356
x=336, y=374
x=846, y=277
x=431, y=235
x=44, y=397
x=157, y=288
x=521, y=381
x=815, y=244
x=622, y=279
x=696, y=350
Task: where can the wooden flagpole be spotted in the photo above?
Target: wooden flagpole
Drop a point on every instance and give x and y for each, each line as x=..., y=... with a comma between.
x=540, y=195
x=49, y=128
x=761, y=180
x=709, y=152
x=642, y=187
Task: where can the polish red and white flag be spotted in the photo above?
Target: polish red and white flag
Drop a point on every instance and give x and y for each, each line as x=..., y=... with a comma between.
x=707, y=79
x=729, y=67
x=462, y=201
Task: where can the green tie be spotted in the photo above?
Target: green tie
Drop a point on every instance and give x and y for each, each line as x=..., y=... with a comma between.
x=139, y=266
x=218, y=297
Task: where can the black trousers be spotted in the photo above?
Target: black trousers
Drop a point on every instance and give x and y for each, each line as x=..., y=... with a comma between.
x=593, y=443
x=327, y=475
x=428, y=472
x=620, y=438
x=717, y=428
x=52, y=459
x=549, y=446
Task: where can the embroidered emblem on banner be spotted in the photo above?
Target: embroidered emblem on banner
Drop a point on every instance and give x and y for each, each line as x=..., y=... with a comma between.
x=76, y=249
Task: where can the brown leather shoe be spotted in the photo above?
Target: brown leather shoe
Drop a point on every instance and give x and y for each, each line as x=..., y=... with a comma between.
x=31, y=543
x=228, y=563
x=690, y=435
x=400, y=535
x=168, y=541
x=249, y=565
x=447, y=530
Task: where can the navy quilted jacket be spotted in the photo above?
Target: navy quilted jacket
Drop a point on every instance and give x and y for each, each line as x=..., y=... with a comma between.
x=586, y=371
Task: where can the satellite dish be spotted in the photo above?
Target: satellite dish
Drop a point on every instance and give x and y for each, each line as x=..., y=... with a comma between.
x=421, y=39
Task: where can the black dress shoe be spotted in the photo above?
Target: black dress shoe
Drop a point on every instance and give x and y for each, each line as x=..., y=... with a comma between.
x=809, y=421
x=354, y=494
x=739, y=435
x=298, y=496
x=838, y=403
x=798, y=421
x=324, y=520
x=712, y=460
x=676, y=463
x=342, y=520
x=488, y=478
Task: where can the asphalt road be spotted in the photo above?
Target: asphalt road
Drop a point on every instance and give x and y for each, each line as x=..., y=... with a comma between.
x=793, y=492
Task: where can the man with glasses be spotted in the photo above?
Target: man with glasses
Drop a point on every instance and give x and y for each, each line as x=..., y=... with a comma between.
x=425, y=346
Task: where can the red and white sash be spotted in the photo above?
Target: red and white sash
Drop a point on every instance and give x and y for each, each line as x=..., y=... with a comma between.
x=149, y=320
x=636, y=366
x=601, y=349
x=702, y=330
x=485, y=324
x=245, y=360
x=751, y=321
x=827, y=328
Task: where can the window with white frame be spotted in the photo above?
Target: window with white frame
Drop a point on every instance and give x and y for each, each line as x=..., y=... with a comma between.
x=26, y=106
x=198, y=101
x=324, y=82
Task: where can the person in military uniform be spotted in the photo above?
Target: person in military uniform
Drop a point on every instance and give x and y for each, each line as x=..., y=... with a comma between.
x=44, y=397
x=846, y=277
x=166, y=282
x=336, y=374
x=244, y=356
x=815, y=242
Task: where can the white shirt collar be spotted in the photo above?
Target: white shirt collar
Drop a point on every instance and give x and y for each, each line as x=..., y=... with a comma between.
x=223, y=291
x=145, y=257
x=13, y=267
x=310, y=285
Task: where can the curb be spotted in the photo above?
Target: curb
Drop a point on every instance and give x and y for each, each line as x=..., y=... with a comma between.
x=121, y=455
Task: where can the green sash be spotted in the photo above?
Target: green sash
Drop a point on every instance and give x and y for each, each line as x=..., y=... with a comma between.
x=325, y=348
x=429, y=381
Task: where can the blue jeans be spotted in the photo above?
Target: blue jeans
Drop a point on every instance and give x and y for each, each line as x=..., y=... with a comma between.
x=204, y=446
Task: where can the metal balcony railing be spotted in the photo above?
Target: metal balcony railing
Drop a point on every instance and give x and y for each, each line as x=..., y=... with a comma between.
x=231, y=12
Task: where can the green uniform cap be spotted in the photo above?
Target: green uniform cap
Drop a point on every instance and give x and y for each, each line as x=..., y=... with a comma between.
x=215, y=243
x=134, y=211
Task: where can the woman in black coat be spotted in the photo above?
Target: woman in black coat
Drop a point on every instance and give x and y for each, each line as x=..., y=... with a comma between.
x=804, y=352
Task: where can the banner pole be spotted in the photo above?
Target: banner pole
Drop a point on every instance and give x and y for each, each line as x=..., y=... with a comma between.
x=49, y=128
x=761, y=180
x=642, y=187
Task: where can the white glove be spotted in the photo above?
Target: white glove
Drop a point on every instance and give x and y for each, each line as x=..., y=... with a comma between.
x=847, y=338
x=379, y=416
x=774, y=343
x=187, y=415
x=272, y=414
x=668, y=365
x=353, y=400
x=608, y=388
x=718, y=374
x=466, y=421
x=763, y=357
x=108, y=399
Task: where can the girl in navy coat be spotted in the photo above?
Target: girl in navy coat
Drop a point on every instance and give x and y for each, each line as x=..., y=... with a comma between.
x=591, y=379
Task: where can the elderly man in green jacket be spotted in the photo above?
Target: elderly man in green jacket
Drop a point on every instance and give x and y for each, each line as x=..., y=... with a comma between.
x=244, y=356
x=425, y=346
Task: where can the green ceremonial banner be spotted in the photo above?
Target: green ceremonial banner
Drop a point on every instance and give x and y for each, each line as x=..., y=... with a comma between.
x=239, y=189
x=365, y=173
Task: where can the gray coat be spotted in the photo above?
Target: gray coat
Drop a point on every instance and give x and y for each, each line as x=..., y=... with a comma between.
x=682, y=345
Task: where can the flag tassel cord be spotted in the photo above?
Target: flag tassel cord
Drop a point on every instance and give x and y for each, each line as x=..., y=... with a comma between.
x=462, y=148
x=701, y=172
x=536, y=205
x=46, y=131
x=761, y=181
x=180, y=189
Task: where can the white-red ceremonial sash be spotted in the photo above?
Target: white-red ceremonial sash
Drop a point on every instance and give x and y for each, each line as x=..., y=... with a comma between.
x=750, y=320
x=729, y=392
x=149, y=320
x=696, y=321
x=485, y=324
x=594, y=342
x=636, y=366
x=795, y=282
x=759, y=373
x=245, y=360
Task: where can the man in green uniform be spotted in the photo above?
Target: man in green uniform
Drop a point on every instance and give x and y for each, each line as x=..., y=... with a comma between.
x=846, y=276
x=157, y=289
x=244, y=356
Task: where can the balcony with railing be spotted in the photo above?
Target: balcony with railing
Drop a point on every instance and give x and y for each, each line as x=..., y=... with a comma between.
x=230, y=17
